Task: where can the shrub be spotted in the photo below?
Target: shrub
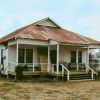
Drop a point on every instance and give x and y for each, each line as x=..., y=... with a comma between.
x=19, y=72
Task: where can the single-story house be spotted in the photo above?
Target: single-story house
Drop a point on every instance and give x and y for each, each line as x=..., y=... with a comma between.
x=45, y=47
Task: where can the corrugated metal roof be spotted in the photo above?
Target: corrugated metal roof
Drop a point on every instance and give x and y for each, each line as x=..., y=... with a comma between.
x=45, y=33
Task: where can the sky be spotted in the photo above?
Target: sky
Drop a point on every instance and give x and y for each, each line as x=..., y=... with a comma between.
x=80, y=16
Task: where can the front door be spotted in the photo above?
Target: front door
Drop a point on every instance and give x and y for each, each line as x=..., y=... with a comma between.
x=73, y=56
x=43, y=58
x=53, y=56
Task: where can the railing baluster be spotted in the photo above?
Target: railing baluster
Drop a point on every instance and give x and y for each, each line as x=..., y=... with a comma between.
x=33, y=67
x=68, y=76
x=92, y=75
x=52, y=68
x=62, y=72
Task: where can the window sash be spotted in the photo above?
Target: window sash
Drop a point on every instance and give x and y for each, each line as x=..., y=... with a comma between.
x=29, y=56
x=73, y=57
x=21, y=56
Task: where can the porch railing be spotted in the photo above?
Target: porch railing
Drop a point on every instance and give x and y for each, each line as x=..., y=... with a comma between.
x=68, y=72
x=34, y=67
x=45, y=67
x=88, y=68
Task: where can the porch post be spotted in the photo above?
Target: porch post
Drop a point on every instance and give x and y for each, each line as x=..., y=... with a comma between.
x=57, y=58
x=99, y=58
x=88, y=56
x=17, y=46
x=77, y=58
x=48, y=58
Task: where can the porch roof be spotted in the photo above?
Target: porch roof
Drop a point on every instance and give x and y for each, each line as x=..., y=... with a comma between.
x=40, y=32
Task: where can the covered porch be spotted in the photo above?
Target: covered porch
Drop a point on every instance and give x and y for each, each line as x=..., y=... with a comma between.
x=53, y=58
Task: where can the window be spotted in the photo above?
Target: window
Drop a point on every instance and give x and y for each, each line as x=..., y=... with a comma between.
x=25, y=56
x=80, y=57
x=29, y=56
x=2, y=56
x=73, y=56
x=21, y=56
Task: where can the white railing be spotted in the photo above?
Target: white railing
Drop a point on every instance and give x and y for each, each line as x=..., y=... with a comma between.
x=68, y=72
x=35, y=67
x=43, y=67
x=88, y=68
x=39, y=67
x=53, y=68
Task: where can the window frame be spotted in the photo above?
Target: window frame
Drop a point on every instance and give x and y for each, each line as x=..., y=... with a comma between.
x=25, y=55
x=29, y=59
x=79, y=57
x=73, y=59
x=21, y=60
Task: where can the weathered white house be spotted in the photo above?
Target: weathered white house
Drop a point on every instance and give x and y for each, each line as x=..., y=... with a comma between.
x=45, y=47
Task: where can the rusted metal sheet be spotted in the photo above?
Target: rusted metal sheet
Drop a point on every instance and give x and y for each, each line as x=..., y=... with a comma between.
x=45, y=33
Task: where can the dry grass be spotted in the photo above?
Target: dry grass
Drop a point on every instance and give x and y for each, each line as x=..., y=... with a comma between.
x=84, y=90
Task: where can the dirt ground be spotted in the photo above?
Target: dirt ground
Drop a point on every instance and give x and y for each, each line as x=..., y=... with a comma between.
x=80, y=90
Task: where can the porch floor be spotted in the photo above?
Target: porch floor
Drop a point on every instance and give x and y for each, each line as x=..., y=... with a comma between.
x=48, y=73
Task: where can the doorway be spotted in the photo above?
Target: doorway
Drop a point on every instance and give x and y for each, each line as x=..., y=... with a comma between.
x=53, y=56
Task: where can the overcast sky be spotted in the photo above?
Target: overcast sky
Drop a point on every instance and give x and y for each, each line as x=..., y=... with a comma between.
x=81, y=16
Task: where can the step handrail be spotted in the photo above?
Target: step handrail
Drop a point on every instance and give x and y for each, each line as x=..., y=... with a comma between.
x=88, y=67
x=68, y=72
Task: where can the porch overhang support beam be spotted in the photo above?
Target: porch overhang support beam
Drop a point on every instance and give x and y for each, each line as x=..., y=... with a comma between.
x=17, y=46
x=48, y=58
x=99, y=58
x=77, y=51
x=87, y=55
x=57, y=58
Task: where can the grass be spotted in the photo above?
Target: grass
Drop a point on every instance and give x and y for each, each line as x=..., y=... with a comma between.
x=30, y=90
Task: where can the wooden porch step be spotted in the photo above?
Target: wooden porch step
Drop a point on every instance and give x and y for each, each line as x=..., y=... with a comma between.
x=81, y=80
x=78, y=72
x=79, y=76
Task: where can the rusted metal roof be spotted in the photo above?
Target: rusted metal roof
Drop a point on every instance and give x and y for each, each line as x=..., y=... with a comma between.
x=48, y=33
